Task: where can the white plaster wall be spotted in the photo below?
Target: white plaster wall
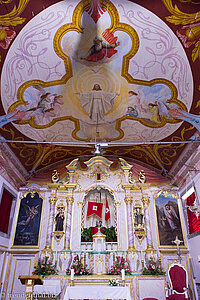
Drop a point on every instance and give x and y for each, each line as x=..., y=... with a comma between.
x=194, y=242
x=18, y=264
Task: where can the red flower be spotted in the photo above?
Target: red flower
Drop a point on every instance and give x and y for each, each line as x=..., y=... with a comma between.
x=189, y=34
x=6, y=36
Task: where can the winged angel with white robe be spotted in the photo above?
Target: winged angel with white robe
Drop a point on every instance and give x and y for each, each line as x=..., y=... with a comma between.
x=97, y=103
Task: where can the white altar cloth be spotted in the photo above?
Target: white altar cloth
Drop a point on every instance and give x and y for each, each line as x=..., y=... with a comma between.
x=50, y=287
x=97, y=292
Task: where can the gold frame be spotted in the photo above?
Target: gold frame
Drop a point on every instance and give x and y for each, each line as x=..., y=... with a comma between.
x=41, y=218
x=184, y=246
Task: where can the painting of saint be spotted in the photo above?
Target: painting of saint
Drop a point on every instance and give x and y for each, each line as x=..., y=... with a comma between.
x=97, y=103
x=28, y=222
x=168, y=219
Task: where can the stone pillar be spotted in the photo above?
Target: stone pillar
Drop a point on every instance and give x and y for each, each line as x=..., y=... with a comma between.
x=117, y=204
x=80, y=206
x=145, y=201
x=128, y=201
x=52, y=201
x=70, y=201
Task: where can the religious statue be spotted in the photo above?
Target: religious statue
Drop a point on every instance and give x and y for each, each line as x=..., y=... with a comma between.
x=138, y=218
x=59, y=220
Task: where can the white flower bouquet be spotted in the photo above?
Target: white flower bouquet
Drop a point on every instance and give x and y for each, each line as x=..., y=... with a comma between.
x=114, y=282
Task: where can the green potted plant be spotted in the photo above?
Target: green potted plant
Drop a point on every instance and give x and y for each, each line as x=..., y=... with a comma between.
x=110, y=234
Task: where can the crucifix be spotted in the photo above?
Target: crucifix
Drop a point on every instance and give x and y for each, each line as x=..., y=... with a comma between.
x=177, y=242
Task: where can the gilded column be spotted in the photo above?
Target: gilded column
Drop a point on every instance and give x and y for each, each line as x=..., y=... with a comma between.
x=117, y=204
x=52, y=201
x=145, y=201
x=70, y=201
x=128, y=201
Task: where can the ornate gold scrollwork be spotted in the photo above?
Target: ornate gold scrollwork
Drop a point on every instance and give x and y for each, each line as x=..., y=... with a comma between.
x=52, y=200
x=117, y=203
x=80, y=203
x=145, y=200
x=69, y=200
x=128, y=200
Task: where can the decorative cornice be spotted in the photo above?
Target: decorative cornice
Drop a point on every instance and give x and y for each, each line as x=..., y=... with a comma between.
x=98, y=160
x=12, y=166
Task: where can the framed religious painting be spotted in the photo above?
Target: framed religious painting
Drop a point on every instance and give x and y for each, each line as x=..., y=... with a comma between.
x=169, y=224
x=28, y=225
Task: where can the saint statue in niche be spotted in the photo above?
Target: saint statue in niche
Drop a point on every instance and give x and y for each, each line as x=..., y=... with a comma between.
x=138, y=219
x=97, y=102
x=59, y=220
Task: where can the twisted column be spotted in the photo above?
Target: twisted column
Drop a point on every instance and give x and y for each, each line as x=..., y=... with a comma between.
x=52, y=201
x=70, y=202
x=145, y=201
x=128, y=201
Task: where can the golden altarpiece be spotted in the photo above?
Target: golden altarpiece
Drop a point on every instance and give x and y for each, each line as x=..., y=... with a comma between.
x=103, y=211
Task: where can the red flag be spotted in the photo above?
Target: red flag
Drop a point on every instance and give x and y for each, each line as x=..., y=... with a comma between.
x=95, y=208
x=107, y=213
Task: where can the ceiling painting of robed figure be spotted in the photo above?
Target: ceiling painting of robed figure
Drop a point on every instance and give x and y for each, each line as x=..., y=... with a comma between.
x=105, y=70
x=97, y=71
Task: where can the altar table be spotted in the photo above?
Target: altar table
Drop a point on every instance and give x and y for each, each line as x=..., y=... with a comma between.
x=49, y=287
x=97, y=292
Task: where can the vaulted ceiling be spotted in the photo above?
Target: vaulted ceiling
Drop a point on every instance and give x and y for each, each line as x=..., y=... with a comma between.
x=120, y=74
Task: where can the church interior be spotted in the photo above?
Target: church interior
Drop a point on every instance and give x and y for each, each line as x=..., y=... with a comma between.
x=100, y=183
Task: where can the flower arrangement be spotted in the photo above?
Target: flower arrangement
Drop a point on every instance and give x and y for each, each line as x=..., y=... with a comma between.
x=114, y=282
x=120, y=263
x=153, y=268
x=44, y=268
x=78, y=267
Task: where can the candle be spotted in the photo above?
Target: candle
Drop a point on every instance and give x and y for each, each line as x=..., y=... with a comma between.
x=72, y=274
x=123, y=274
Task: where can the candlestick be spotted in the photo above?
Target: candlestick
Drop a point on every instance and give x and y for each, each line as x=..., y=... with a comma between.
x=123, y=274
x=72, y=274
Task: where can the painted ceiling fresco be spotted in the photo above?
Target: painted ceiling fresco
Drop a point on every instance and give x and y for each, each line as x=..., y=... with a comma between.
x=99, y=71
